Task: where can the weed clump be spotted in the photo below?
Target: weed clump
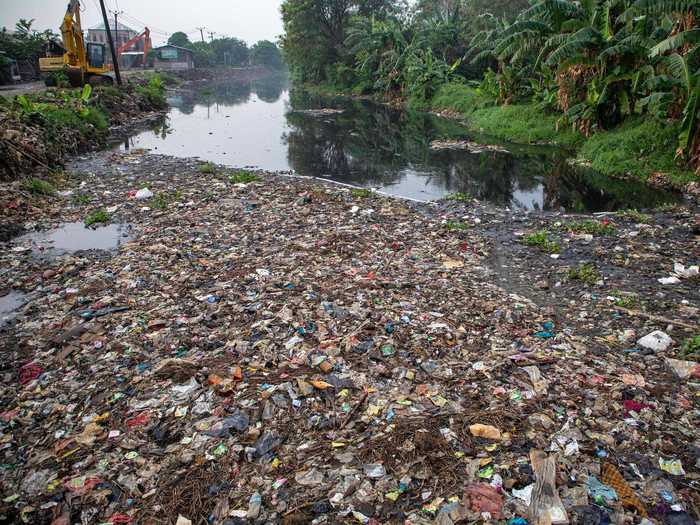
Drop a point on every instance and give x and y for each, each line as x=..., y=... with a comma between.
x=542, y=241
x=98, y=216
x=690, y=351
x=458, y=197
x=625, y=300
x=81, y=198
x=361, y=193
x=153, y=93
x=587, y=273
x=207, y=168
x=39, y=187
x=243, y=177
x=591, y=227
x=162, y=200
x=635, y=216
x=456, y=226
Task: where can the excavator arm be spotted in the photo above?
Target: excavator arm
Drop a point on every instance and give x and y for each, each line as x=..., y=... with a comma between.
x=145, y=36
x=72, y=34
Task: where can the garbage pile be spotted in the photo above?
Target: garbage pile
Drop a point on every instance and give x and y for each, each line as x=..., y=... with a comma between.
x=284, y=351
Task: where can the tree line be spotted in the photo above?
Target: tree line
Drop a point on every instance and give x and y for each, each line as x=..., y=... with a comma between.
x=594, y=62
x=230, y=52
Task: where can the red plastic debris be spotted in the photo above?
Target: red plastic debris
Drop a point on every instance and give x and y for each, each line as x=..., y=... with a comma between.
x=119, y=518
x=138, y=421
x=634, y=406
x=29, y=372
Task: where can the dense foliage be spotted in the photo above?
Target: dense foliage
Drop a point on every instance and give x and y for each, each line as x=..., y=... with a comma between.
x=230, y=52
x=593, y=63
x=24, y=43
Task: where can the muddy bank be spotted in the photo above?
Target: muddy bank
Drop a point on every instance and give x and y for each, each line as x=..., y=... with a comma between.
x=267, y=349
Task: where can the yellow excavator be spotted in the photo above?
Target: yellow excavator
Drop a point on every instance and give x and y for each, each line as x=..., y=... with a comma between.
x=82, y=63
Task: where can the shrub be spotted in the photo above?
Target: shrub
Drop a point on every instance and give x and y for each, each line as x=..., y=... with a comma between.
x=98, y=216
x=541, y=240
x=586, y=273
x=39, y=187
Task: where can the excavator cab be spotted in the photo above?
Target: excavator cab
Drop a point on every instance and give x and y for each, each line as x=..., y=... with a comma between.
x=82, y=63
x=96, y=54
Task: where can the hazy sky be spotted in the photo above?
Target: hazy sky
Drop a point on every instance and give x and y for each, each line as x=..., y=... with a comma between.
x=250, y=20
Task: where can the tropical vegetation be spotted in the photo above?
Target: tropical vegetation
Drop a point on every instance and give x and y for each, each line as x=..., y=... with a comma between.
x=564, y=71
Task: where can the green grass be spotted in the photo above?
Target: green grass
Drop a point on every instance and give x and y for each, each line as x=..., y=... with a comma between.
x=361, y=193
x=635, y=216
x=99, y=216
x=587, y=273
x=207, y=168
x=591, y=227
x=458, y=197
x=542, y=241
x=639, y=147
x=525, y=123
x=625, y=300
x=39, y=187
x=243, y=177
x=457, y=226
x=460, y=98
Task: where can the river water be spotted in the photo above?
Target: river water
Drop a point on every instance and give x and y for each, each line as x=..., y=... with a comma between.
x=266, y=125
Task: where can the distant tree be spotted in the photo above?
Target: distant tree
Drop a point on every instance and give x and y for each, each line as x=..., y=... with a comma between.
x=25, y=43
x=23, y=28
x=179, y=39
x=203, y=54
x=266, y=53
x=230, y=51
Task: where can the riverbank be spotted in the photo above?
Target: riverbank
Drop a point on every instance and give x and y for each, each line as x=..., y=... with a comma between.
x=40, y=131
x=639, y=149
x=267, y=348
x=642, y=148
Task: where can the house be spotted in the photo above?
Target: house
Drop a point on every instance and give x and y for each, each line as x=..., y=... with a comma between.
x=173, y=58
x=121, y=34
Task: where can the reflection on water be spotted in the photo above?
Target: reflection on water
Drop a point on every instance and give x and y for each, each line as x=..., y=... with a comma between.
x=262, y=124
x=73, y=237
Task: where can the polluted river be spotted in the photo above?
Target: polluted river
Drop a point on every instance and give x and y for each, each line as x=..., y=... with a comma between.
x=266, y=125
x=249, y=333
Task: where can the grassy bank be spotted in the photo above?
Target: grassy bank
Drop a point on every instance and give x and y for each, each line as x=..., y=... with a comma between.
x=640, y=147
x=38, y=131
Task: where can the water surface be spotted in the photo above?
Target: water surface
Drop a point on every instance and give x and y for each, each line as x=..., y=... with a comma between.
x=9, y=304
x=73, y=237
x=265, y=125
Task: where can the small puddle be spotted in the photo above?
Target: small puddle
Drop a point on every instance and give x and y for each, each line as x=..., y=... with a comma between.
x=9, y=304
x=74, y=237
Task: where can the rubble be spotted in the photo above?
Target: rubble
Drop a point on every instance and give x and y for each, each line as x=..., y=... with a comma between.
x=258, y=353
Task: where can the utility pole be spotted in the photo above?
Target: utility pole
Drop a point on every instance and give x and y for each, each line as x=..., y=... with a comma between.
x=211, y=35
x=116, y=24
x=111, y=43
x=201, y=32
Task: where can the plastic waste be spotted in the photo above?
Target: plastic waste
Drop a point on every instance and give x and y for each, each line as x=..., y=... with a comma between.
x=657, y=341
x=545, y=505
x=143, y=194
